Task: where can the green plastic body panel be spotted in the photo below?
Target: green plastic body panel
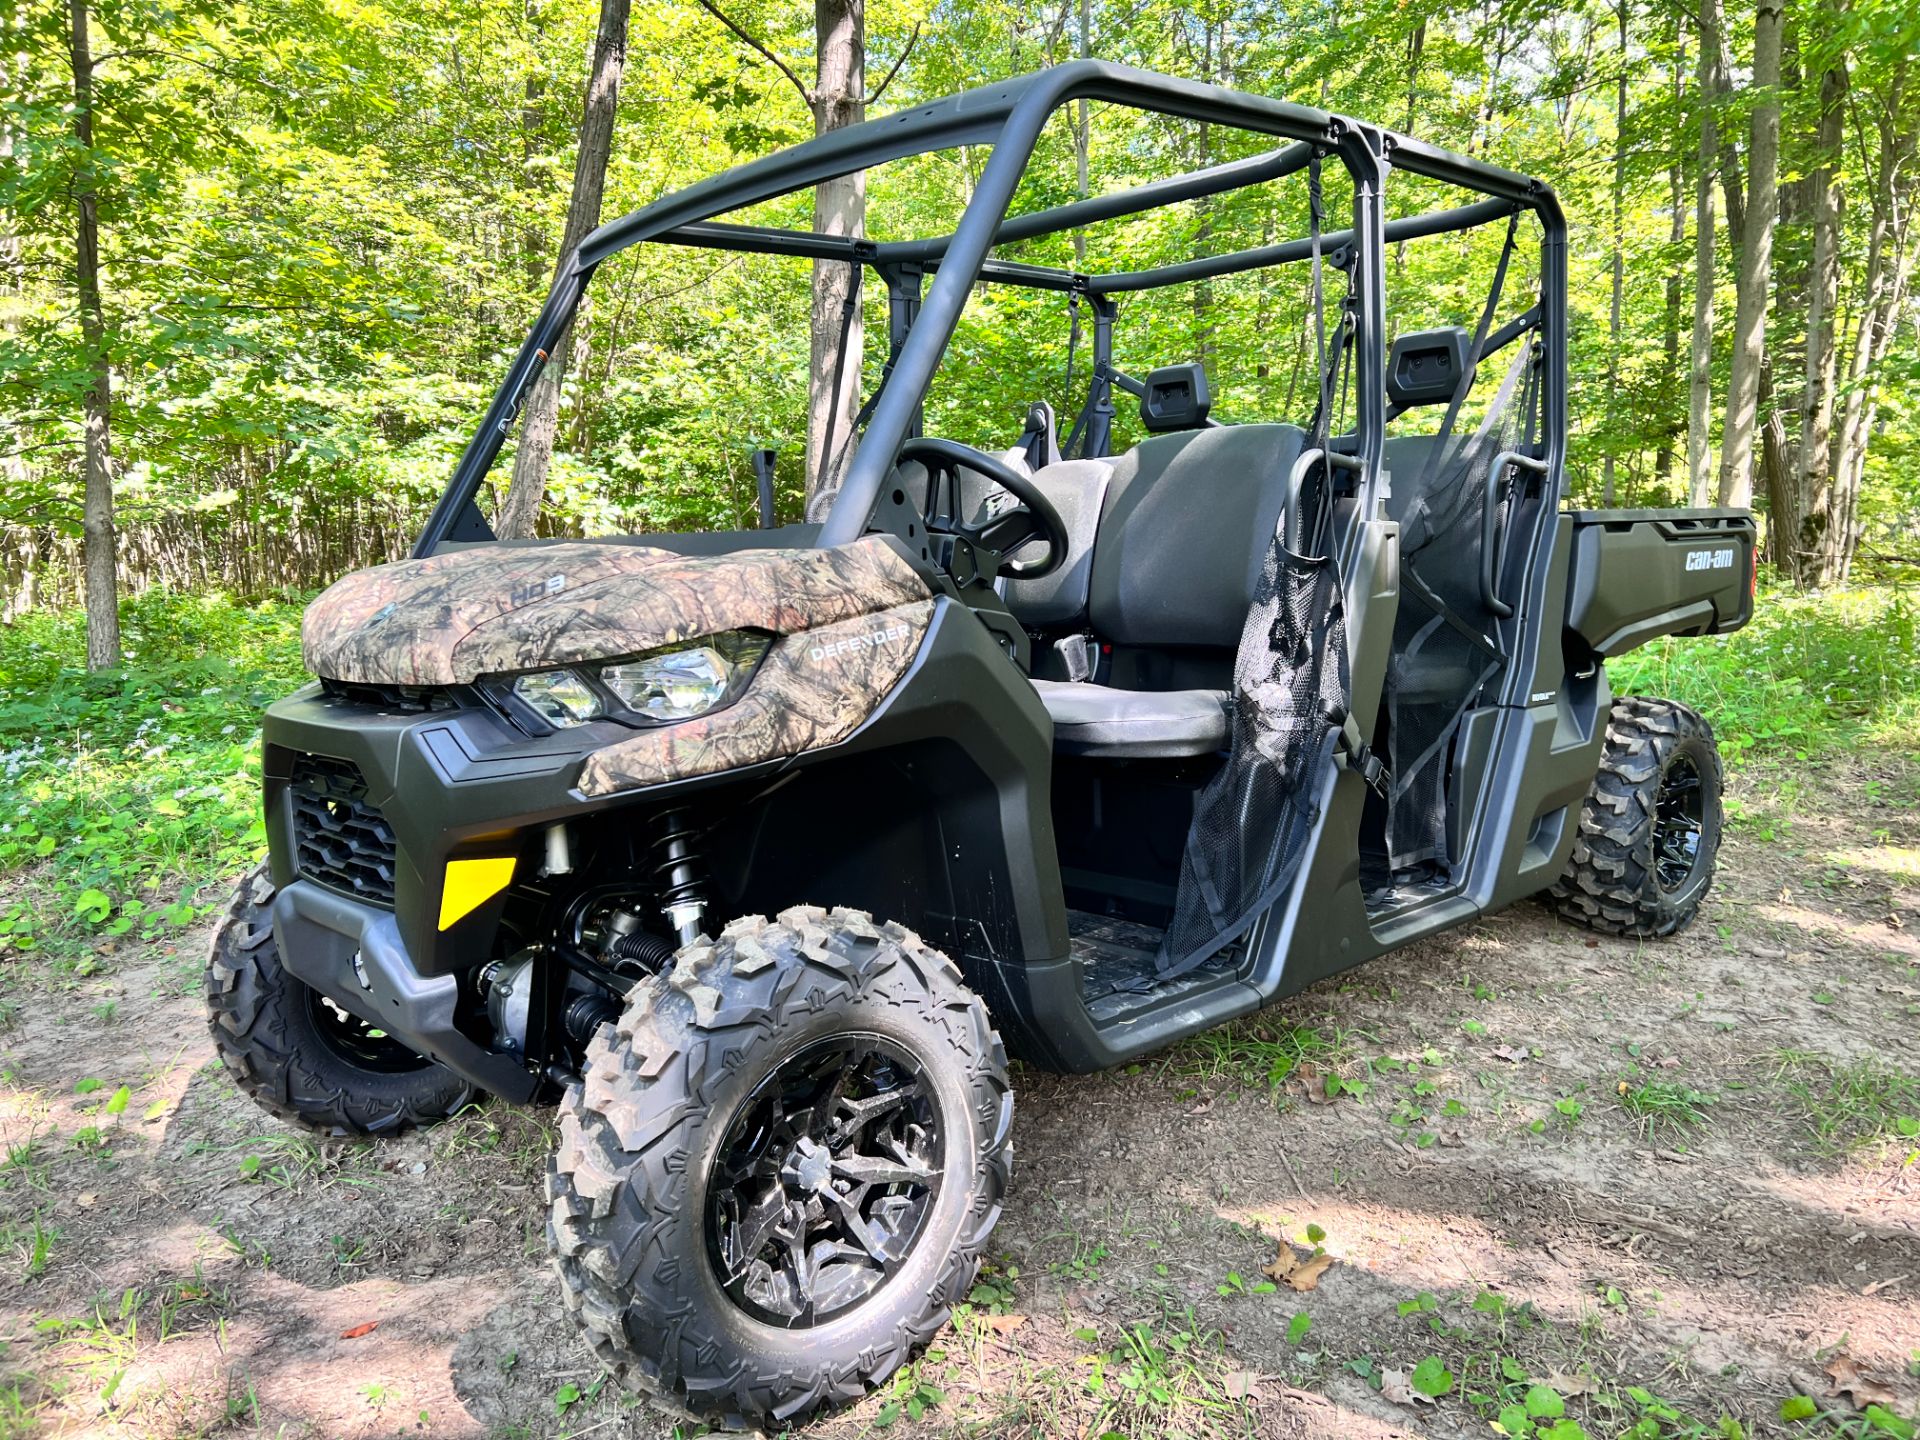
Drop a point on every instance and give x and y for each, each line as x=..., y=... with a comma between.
x=1639, y=574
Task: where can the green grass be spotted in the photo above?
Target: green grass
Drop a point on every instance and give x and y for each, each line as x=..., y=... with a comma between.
x=123, y=794
x=1662, y=1105
x=1858, y=1105
x=1259, y=1053
x=1809, y=673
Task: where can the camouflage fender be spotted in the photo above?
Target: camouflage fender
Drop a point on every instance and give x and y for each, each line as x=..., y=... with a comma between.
x=450, y=618
x=814, y=688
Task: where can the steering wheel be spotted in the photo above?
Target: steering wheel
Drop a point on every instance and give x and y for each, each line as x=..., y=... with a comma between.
x=1002, y=534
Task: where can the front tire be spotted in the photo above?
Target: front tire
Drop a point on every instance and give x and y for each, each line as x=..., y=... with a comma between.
x=1650, y=826
x=781, y=1165
x=300, y=1056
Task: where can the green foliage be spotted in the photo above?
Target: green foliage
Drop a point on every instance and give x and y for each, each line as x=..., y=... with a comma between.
x=324, y=231
x=122, y=795
x=1807, y=673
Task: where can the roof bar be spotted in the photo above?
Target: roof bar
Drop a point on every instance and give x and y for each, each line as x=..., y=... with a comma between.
x=1208, y=267
x=1234, y=175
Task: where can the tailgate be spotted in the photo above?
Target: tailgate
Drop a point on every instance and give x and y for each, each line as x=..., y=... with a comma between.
x=1639, y=574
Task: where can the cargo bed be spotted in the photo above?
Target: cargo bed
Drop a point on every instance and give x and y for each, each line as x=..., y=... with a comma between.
x=1636, y=575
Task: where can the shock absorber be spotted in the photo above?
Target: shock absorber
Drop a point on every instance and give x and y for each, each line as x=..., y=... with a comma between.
x=677, y=875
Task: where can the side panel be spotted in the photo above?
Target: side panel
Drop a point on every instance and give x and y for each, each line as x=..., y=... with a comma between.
x=1641, y=574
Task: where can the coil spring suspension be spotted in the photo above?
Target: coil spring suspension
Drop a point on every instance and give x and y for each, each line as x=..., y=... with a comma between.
x=677, y=874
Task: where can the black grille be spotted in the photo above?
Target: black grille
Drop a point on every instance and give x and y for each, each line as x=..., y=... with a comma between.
x=342, y=842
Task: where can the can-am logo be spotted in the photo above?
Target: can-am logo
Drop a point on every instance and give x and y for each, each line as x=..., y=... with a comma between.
x=872, y=640
x=1709, y=560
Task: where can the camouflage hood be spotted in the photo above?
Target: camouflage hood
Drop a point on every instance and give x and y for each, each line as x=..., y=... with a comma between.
x=453, y=617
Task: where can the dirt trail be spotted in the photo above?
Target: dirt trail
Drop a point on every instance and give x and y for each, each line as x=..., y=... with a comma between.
x=189, y=1266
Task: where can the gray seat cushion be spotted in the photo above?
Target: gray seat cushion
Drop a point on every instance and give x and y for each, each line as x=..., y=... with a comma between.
x=1077, y=489
x=1140, y=724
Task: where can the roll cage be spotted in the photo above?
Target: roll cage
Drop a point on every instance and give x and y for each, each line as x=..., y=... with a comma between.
x=1010, y=116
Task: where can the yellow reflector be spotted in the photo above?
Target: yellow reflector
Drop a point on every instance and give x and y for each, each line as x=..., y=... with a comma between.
x=470, y=884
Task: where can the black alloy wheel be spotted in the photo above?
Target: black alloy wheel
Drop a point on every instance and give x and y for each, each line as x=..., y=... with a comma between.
x=824, y=1181
x=359, y=1042
x=1679, y=819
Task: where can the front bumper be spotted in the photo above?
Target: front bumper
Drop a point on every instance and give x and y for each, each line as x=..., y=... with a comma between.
x=352, y=953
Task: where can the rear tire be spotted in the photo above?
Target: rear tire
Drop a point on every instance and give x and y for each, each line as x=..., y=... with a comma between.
x=301, y=1057
x=1650, y=826
x=726, y=1126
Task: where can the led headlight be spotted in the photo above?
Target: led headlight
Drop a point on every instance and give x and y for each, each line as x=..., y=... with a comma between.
x=688, y=680
x=559, y=697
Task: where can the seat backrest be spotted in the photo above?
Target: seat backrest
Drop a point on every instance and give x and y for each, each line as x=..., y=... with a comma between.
x=1059, y=601
x=1185, y=529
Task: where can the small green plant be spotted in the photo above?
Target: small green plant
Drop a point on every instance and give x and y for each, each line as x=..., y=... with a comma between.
x=1431, y=1378
x=909, y=1395
x=39, y=1247
x=1084, y=1264
x=1235, y=1285
x=993, y=1288
x=1658, y=1105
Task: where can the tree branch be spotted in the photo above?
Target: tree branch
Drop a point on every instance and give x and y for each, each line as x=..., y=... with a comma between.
x=912, y=40
x=768, y=55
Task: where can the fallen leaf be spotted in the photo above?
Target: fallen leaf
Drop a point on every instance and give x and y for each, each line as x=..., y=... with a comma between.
x=1282, y=1265
x=88, y=1200
x=1515, y=1053
x=1240, y=1384
x=357, y=1331
x=1571, y=1384
x=1306, y=1275
x=1394, y=1386
x=1005, y=1324
x=1854, y=1385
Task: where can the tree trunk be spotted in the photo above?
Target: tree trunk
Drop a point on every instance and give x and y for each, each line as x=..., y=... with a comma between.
x=1813, y=551
x=1082, y=137
x=839, y=208
x=1700, y=375
x=1619, y=263
x=1670, y=325
x=1888, y=270
x=1755, y=278
x=540, y=416
x=102, y=560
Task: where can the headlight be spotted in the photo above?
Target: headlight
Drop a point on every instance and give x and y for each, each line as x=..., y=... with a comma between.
x=686, y=681
x=559, y=697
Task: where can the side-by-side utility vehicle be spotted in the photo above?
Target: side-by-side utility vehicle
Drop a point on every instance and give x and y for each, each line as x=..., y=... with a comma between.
x=760, y=852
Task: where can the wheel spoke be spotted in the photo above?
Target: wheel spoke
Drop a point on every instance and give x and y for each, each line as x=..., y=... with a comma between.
x=751, y=1232
x=871, y=1107
x=880, y=1170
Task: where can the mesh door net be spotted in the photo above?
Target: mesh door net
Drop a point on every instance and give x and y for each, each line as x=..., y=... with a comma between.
x=1251, y=822
x=1445, y=641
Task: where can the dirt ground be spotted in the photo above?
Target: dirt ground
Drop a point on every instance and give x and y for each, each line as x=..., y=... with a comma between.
x=1504, y=1229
